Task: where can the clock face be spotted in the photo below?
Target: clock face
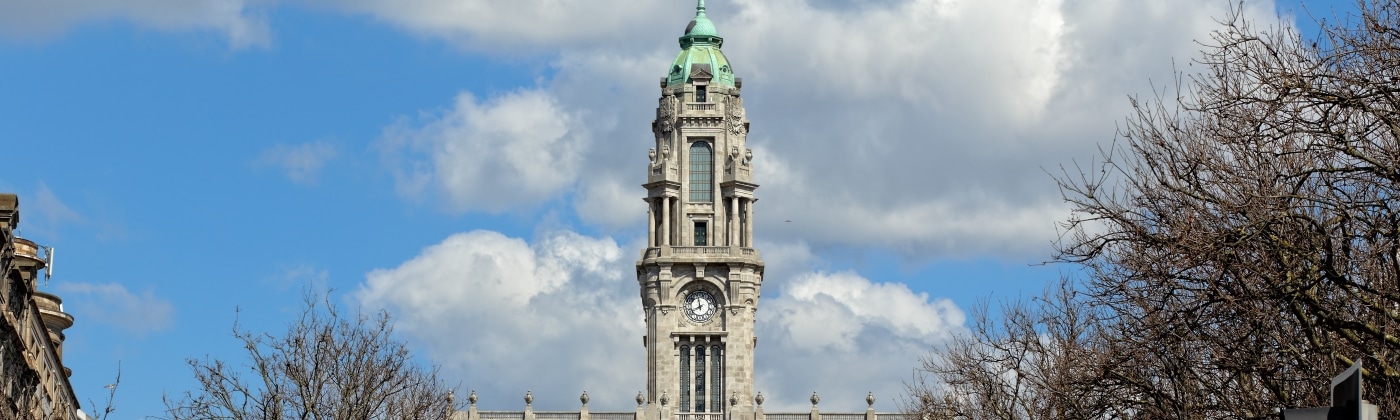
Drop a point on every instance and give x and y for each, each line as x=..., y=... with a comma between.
x=700, y=306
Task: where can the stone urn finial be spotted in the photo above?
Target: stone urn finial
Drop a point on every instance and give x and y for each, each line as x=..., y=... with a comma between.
x=472, y=398
x=640, y=398
x=733, y=399
x=664, y=400
x=529, y=398
x=759, y=399
x=870, y=399
x=815, y=399
x=451, y=397
x=584, y=398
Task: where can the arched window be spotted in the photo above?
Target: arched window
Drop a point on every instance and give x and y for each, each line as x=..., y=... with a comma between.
x=716, y=379
x=700, y=379
x=701, y=172
x=685, y=379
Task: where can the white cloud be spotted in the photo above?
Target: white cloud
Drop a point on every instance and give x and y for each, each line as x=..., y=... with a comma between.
x=503, y=25
x=918, y=125
x=237, y=20
x=514, y=150
x=556, y=317
x=302, y=275
x=114, y=305
x=301, y=163
x=842, y=335
x=562, y=315
x=46, y=213
x=826, y=311
x=45, y=217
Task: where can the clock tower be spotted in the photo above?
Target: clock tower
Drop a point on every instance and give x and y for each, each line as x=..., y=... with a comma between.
x=700, y=275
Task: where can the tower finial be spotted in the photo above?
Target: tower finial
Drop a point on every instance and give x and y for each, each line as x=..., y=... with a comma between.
x=700, y=8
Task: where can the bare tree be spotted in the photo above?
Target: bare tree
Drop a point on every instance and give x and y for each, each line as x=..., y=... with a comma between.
x=326, y=366
x=1240, y=244
x=1038, y=360
x=105, y=412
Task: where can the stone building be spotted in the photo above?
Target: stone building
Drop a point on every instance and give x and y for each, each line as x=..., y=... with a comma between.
x=33, y=382
x=699, y=276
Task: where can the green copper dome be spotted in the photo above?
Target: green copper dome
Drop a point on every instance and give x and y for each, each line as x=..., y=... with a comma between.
x=701, y=25
x=700, y=53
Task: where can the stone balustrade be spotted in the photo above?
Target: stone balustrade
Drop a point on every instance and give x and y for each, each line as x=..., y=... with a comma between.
x=698, y=251
x=667, y=413
x=702, y=106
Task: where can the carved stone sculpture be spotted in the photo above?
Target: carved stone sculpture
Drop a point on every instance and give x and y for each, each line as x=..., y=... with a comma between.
x=668, y=113
x=736, y=115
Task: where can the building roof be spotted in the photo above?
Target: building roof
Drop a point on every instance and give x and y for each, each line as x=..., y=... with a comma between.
x=700, y=48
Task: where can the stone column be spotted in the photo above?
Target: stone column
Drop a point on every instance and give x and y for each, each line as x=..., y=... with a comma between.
x=758, y=407
x=748, y=223
x=665, y=221
x=720, y=222
x=689, y=380
x=472, y=414
x=583, y=412
x=738, y=220
x=651, y=223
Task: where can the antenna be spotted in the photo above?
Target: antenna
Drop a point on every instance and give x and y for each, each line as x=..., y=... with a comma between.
x=48, y=264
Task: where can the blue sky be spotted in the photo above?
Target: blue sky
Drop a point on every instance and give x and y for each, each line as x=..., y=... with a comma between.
x=474, y=168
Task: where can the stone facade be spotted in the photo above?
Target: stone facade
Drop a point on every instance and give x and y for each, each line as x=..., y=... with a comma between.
x=33, y=382
x=699, y=277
